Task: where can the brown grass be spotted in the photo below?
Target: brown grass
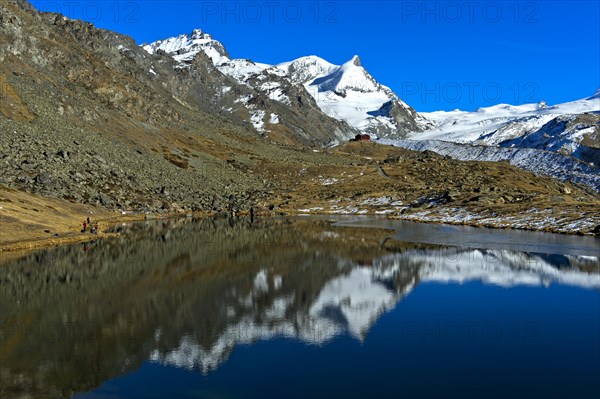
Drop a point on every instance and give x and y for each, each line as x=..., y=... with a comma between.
x=28, y=221
x=11, y=104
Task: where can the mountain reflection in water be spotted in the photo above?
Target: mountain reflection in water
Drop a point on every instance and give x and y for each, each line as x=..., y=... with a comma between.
x=187, y=293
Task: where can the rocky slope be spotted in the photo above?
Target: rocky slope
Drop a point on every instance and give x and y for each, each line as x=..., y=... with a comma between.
x=91, y=117
x=427, y=186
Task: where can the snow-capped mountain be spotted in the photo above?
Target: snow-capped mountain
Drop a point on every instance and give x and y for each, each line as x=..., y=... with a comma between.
x=561, y=141
x=572, y=128
x=347, y=92
x=258, y=94
x=342, y=100
x=186, y=47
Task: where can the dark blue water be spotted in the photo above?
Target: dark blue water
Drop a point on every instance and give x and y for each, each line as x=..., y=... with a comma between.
x=441, y=341
x=305, y=309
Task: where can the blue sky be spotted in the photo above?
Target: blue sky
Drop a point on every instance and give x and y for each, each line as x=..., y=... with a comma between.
x=433, y=54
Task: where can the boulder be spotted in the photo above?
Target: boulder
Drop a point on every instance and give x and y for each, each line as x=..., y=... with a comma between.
x=44, y=179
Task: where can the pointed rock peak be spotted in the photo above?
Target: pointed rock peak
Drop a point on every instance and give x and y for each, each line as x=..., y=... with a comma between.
x=199, y=34
x=353, y=64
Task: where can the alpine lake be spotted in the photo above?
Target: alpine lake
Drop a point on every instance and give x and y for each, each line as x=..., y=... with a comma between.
x=303, y=307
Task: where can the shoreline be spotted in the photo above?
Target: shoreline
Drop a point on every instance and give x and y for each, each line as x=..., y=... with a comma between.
x=35, y=243
x=470, y=223
x=22, y=247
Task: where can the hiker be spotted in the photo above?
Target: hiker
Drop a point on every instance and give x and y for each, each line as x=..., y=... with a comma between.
x=89, y=221
x=84, y=227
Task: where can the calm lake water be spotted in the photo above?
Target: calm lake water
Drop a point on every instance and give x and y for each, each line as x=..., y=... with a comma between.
x=304, y=308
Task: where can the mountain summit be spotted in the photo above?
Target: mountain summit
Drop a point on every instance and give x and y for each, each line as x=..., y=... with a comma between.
x=347, y=93
x=186, y=47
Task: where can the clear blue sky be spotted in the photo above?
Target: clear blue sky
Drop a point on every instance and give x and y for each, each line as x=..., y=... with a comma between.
x=434, y=54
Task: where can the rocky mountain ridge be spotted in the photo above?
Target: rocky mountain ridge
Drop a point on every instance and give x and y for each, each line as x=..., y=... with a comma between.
x=347, y=93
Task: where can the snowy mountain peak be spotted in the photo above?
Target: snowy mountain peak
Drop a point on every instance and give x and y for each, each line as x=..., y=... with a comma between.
x=199, y=34
x=356, y=60
x=344, y=92
x=184, y=48
x=306, y=69
x=351, y=76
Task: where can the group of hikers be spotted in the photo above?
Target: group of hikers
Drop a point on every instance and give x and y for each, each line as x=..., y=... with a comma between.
x=88, y=223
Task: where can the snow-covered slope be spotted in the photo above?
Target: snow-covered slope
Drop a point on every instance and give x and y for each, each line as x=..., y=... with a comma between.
x=307, y=69
x=346, y=92
x=554, y=128
x=561, y=167
x=570, y=134
x=185, y=47
x=546, y=140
